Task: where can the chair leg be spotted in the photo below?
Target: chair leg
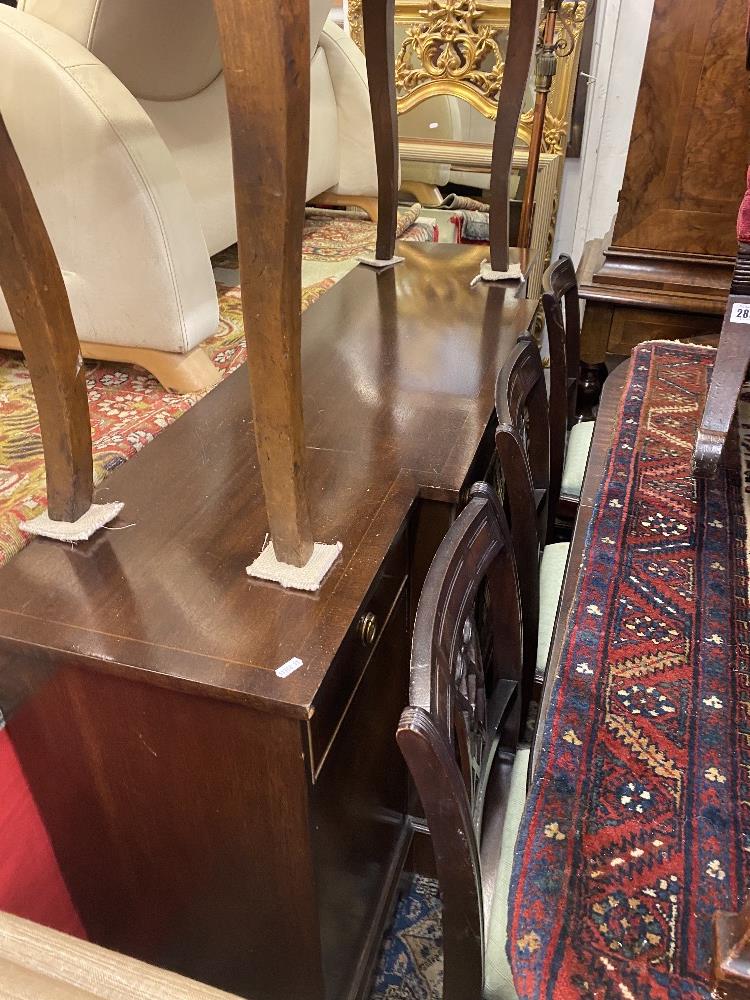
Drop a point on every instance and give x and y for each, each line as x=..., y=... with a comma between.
x=729, y=373
x=181, y=373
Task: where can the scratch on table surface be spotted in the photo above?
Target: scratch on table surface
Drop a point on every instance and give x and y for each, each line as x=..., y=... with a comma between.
x=150, y=749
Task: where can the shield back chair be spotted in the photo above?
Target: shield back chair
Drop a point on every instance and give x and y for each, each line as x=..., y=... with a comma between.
x=522, y=443
x=459, y=737
x=132, y=170
x=570, y=439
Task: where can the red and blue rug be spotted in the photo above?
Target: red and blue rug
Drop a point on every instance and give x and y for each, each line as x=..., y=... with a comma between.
x=638, y=825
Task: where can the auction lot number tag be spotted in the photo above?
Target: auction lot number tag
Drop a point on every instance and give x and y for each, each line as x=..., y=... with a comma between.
x=740, y=313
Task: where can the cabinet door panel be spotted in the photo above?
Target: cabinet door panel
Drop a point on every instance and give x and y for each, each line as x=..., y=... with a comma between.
x=359, y=809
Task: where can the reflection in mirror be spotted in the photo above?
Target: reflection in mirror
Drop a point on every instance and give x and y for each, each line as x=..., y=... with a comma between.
x=449, y=57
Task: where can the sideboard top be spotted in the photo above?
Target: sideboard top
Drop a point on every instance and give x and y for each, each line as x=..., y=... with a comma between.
x=399, y=370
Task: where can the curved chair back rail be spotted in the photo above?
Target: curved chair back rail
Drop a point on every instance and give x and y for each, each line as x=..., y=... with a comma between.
x=563, y=318
x=562, y=308
x=462, y=723
x=33, y=286
x=732, y=358
x=522, y=443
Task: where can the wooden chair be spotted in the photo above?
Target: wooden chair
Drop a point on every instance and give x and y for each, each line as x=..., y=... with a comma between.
x=459, y=737
x=732, y=358
x=523, y=447
x=570, y=439
x=37, y=963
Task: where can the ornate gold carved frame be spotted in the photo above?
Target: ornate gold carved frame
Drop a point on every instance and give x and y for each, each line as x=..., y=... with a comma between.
x=455, y=48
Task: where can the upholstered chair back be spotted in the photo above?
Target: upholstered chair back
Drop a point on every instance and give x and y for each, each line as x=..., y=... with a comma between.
x=132, y=169
x=167, y=55
x=162, y=50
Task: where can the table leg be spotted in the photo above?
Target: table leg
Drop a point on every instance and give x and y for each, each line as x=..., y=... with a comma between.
x=377, y=19
x=34, y=289
x=266, y=54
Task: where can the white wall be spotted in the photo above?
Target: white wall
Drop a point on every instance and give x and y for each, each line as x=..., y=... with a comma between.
x=591, y=184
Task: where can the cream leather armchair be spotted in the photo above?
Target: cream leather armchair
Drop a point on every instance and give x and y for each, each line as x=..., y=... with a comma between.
x=117, y=109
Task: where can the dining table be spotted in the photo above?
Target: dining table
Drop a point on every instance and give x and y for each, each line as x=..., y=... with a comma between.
x=636, y=831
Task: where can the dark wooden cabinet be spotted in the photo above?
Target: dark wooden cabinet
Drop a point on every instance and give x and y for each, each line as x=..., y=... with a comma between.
x=210, y=816
x=668, y=270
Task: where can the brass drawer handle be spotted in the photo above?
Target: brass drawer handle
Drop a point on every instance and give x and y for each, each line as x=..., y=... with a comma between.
x=367, y=629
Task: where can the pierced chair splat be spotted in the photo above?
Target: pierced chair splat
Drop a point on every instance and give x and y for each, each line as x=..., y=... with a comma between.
x=570, y=439
x=522, y=442
x=459, y=737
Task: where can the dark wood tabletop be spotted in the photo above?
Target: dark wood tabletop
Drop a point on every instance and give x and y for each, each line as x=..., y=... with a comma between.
x=399, y=375
x=600, y=445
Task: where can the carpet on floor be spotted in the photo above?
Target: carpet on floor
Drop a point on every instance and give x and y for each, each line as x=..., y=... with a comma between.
x=411, y=960
x=637, y=828
x=128, y=407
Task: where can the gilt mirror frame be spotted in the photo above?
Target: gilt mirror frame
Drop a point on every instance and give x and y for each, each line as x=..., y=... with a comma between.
x=473, y=75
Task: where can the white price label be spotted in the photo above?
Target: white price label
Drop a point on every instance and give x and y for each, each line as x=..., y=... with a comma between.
x=289, y=667
x=740, y=312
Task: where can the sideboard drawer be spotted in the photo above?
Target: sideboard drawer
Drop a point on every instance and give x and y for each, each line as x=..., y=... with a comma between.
x=358, y=648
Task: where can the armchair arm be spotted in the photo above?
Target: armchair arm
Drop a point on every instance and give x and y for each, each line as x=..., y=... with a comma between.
x=120, y=218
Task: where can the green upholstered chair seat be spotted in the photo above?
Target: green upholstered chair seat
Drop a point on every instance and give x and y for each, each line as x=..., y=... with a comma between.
x=498, y=979
x=576, y=458
x=551, y=576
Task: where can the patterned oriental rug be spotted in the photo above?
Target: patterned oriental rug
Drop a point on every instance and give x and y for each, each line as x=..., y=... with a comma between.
x=638, y=824
x=128, y=407
x=411, y=959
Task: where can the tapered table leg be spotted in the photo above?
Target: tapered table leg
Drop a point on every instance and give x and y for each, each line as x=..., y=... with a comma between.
x=377, y=19
x=524, y=19
x=266, y=54
x=33, y=286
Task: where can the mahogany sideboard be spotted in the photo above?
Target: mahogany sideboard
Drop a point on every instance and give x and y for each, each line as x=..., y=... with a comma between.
x=668, y=269
x=210, y=816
